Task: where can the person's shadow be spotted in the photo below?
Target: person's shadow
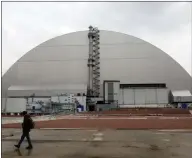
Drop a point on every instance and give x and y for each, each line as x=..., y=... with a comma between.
x=18, y=151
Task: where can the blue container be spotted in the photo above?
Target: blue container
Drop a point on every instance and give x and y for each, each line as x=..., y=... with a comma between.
x=80, y=107
x=184, y=106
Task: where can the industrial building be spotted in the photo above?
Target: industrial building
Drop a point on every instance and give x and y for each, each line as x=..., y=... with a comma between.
x=104, y=67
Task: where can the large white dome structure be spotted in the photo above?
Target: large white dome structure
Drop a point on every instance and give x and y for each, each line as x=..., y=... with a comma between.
x=63, y=61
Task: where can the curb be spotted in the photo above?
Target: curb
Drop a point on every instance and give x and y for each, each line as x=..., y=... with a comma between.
x=95, y=129
x=58, y=141
x=160, y=130
x=68, y=129
x=47, y=140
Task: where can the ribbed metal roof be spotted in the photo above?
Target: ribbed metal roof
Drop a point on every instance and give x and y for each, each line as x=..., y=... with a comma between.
x=182, y=93
x=63, y=60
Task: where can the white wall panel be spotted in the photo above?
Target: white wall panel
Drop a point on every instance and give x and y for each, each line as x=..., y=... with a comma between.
x=106, y=91
x=121, y=99
x=55, y=99
x=143, y=96
x=162, y=96
x=64, y=99
x=3, y=103
x=139, y=96
x=151, y=97
x=42, y=99
x=16, y=105
x=116, y=90
x=128, y=95
x=101, y=90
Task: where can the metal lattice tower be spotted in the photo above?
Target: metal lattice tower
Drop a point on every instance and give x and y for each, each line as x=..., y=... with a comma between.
x=94, y=63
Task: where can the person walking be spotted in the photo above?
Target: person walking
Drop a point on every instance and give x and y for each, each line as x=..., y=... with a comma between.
x=27, y=125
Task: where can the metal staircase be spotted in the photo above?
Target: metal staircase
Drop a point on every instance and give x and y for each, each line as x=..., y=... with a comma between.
x=93, y=63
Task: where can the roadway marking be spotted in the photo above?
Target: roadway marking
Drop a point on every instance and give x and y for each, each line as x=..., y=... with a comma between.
x=175, y=130
x=98, y=136
x=159, y=133
x=97, y=139
x=87, y=129
x=166, y=140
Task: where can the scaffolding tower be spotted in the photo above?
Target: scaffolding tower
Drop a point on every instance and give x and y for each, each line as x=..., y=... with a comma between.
x=93, y=63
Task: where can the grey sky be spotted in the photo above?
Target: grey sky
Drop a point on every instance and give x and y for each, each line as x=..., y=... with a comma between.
x=166, y=25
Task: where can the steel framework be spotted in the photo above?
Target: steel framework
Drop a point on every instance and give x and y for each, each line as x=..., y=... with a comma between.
x=93, y=63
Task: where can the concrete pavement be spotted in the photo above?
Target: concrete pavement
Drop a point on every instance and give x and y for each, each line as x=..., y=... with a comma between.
x=9, y=120
x=102, y=144
x=55, y=135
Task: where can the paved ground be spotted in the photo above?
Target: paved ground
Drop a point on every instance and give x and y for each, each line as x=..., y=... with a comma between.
x=115, y=123
x=9, y=120
x=101, y=144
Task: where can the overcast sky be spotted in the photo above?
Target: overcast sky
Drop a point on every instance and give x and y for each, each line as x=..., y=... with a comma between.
x=167, y=25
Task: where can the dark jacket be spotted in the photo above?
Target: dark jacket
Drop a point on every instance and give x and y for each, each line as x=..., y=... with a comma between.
x=26, y=123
